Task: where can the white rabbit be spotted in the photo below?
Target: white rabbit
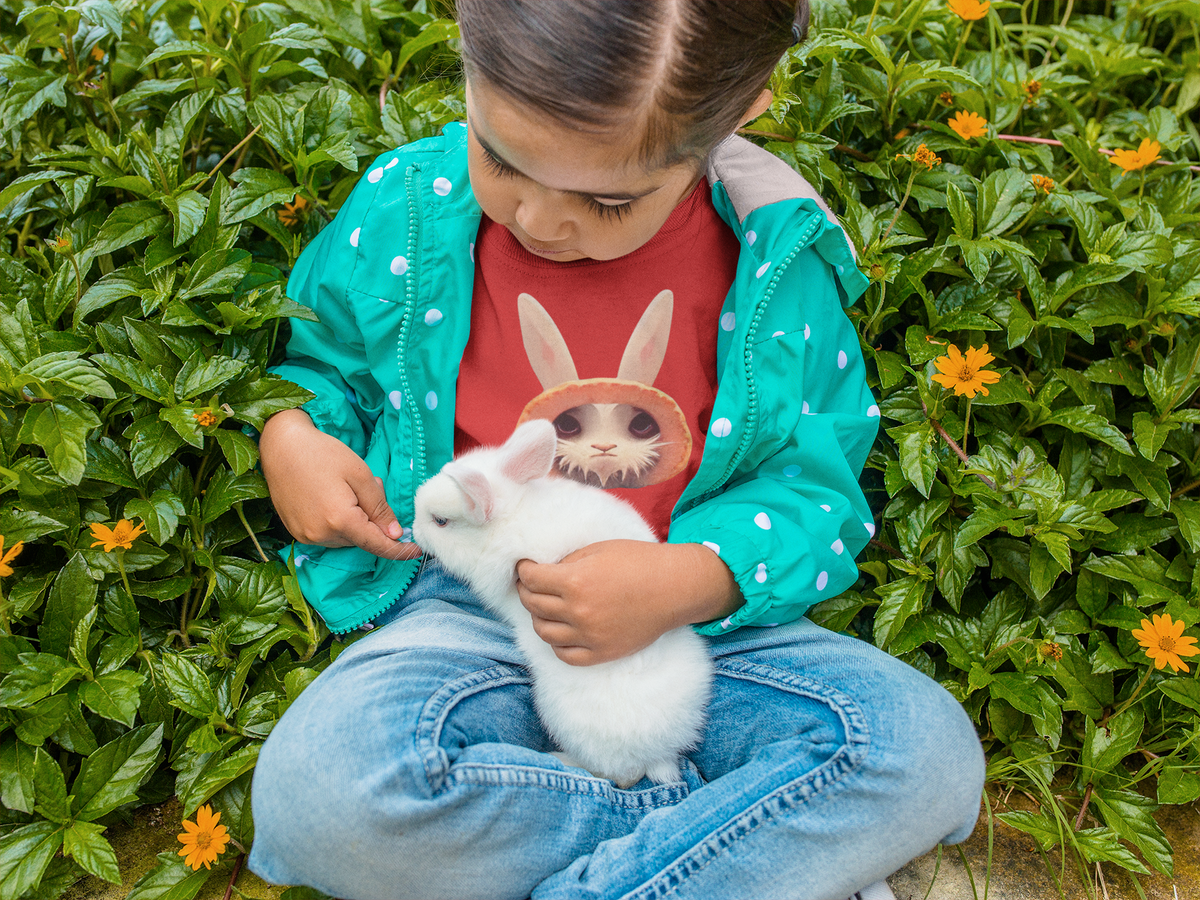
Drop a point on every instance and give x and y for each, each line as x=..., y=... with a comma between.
x=494, y=506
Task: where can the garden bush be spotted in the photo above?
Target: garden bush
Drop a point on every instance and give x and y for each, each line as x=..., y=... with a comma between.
x=1014, y=177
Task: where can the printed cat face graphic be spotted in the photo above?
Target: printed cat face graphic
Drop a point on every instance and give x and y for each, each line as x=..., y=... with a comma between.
x=612, y=432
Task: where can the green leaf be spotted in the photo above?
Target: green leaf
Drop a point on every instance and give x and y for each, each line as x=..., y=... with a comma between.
x=1103, y=845
x=171, y=879
x=161, y=514
x=216, y=272
x=213, y=772
x=1178, y=785
x=1182, y=690
x=1038, y=825
x=189, y=686
x=226, y=489
x=72, y=597
x=128, y=224
x=50, y=788
x=17, y=760
x=151, y=443
x=199, y=375
x=256, y=606
x=1084, y=420
x=24, y=855
x=1104, y=746
x=84, y=843
x=61, y=429
x=111, y=776
x=1149, y=434
x=918, y=461
x=1128, y=814
x=898, y=601
x=241, y=452
x=188, y=209
x=113, y=695
x=257, y=401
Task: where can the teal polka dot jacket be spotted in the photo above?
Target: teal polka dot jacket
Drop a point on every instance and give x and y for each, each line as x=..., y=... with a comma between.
x=776, y=495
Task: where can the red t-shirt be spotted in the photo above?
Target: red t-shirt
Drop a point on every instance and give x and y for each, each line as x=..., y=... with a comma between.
x=620, y=354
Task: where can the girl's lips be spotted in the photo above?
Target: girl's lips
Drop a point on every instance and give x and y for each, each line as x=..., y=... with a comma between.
x=539, y=252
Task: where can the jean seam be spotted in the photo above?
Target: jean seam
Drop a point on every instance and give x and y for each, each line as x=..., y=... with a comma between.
x=515, y=776
x=437, y=708
x=783, y=799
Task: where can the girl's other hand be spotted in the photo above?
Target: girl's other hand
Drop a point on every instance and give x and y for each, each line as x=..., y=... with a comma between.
x=613, y=598
x=324, y=492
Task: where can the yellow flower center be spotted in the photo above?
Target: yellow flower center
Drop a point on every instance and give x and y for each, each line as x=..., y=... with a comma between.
x=1166, y=643
x=965, y=373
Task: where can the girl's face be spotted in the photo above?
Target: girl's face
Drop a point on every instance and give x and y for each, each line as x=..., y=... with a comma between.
x=566, y=194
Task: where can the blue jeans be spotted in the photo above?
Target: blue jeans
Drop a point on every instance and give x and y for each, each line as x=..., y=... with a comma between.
x=415, y=767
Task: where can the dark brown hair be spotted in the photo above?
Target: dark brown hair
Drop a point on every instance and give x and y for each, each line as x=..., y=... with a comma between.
x=688, y=69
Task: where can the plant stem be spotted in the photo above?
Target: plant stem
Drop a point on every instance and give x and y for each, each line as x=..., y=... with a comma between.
x=121, y=567
x=1087, y=798
x=237, y=867
x=961, y=42
x=237, y=507
x=967, y=422
x=233, y=150
x=899, y=209
x=1137, y=690
x=871, y=21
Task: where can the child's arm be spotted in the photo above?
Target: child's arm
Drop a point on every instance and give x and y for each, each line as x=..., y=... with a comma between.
x=338, y=503
x=613, y=598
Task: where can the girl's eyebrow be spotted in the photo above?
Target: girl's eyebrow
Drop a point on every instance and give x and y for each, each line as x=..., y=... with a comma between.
x=614, y=196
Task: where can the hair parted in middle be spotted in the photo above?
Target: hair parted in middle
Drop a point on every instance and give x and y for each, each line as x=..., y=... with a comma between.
x=687, y=70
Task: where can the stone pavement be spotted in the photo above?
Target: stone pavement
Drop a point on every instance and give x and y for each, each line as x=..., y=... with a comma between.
x=1017, y=870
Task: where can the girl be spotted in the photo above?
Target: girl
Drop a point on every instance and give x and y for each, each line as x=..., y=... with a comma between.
x=464, y=283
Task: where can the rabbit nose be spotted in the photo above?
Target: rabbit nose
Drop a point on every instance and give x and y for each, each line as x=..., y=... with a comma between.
x=603, y=448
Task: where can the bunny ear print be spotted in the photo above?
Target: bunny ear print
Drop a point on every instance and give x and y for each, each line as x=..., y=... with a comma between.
x=648, y=344
x=544, y=344
x=478, y=497
x=529, y=453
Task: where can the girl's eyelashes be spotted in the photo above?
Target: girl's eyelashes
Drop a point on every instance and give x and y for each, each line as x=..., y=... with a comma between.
x=611, y=212
x=496, y=165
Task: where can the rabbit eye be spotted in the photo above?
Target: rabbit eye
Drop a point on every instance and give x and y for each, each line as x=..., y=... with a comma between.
x=643, y=426
x=567, y=426
x=440, y=522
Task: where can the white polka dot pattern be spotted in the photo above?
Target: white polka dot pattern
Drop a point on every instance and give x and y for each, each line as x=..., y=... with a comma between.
x=721, y=428
x=442, y=186
x=873, y=411
x=728, y=321
x=822, y=580
x=751, y=237
x=433, y=317
x=837, y=547
x=760, y=574
x=791, y=471
x=431, y=400
x=842, y=359
x=763, y=521
x=396, y=399
x=762, y=270
x=354, y=237
x=715, y=548
x=399, y=265
x=374, y=175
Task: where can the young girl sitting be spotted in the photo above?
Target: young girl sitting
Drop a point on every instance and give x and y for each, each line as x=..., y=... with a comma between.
x=516, y=266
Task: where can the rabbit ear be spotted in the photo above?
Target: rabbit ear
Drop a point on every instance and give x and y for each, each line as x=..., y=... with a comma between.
x=529, y=453
x=644, y=353
x=544, y=344
x=478, y=496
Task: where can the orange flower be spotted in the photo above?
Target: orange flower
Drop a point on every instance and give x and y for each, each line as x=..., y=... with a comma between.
x=61, y=244
x=203, y=840
x=5, y=558
x=293, y=214
x=946, y=98
x=969, y=10
x=205, y=418
x=922, y=156
x=1043, y=184
x=965, y=374
x=968, y=125
x=1133, y=160
x=121, y=535
x=1164, y=642
x=1033, y=90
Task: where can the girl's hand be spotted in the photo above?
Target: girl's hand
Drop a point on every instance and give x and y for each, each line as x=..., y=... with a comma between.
x=324, y=492
x=611, y=599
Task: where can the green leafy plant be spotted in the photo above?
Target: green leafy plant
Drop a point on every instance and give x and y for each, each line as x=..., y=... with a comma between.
x=162, y=166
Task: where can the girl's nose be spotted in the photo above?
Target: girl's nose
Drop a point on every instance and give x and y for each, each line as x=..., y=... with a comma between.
x=540, y=216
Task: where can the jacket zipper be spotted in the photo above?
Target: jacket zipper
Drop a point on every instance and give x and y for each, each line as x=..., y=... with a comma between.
x=748, y=368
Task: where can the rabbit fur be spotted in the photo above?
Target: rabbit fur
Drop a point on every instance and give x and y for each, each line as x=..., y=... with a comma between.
x=493, y=506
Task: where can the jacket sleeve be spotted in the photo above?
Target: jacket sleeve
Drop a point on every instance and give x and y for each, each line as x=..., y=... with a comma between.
x=328, y=356
x=791, y=517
